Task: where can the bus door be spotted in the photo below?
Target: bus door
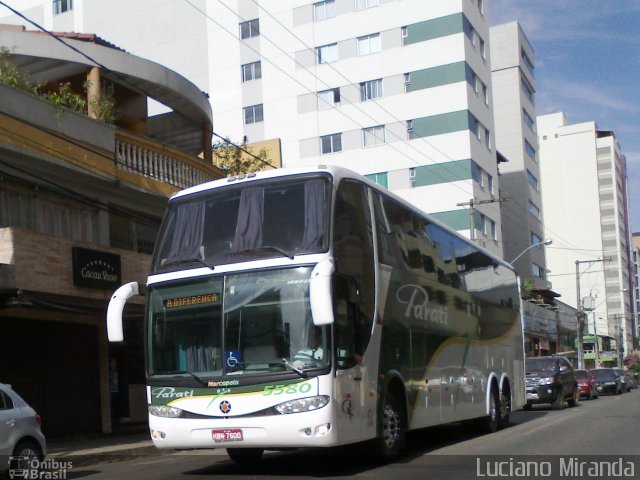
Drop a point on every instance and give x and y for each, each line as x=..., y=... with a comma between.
x=350, y=384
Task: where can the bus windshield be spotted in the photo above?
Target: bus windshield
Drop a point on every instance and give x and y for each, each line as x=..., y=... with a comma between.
x=256, y=323
x=248, y=221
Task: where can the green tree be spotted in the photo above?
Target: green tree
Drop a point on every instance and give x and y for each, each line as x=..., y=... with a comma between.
x=237, y=160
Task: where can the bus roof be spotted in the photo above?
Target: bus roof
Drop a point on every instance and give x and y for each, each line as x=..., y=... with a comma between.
x=337, y=173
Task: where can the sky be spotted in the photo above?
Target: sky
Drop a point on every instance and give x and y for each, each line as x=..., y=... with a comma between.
x=587, y=65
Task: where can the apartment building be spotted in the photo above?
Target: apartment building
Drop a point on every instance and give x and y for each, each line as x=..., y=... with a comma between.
x=513, y=79
x=396, y=90
x=585, y=201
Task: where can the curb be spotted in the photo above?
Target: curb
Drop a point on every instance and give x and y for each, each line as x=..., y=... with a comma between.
x=78, y=459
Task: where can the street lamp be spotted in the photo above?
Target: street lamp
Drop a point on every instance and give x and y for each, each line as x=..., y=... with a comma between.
x=548, y=241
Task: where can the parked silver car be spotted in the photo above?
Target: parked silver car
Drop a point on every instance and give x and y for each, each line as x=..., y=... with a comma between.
x=20, y=433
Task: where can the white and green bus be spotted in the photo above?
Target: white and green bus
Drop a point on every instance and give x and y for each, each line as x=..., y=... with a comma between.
x=313, y=308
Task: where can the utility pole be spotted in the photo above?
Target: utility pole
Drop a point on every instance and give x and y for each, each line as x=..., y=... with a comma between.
x=595, y=334
x=580, y=314
x=471, y=204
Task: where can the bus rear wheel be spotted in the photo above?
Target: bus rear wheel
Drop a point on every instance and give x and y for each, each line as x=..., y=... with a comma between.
x=392, y=431
x=243, y=456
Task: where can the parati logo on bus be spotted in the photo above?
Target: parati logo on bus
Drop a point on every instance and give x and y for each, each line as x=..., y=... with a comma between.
x=418, y=305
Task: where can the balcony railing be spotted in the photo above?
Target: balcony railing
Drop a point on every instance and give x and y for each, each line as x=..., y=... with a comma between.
x=142, y=156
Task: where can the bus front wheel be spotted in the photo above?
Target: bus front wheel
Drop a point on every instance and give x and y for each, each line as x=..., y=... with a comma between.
x=392, y=430
x=243, y=456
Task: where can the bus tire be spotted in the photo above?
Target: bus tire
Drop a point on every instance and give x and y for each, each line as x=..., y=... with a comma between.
x=505, y=410
x=491, y=422
x=392, y=429
x=244, y=456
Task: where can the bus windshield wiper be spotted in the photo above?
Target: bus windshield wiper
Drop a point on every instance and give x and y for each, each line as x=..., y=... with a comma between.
x=182, y=372
x=190, y=260
x=285, y=363
x=269, y=248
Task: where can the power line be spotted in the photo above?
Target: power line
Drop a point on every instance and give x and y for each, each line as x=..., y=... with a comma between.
x=515, y=220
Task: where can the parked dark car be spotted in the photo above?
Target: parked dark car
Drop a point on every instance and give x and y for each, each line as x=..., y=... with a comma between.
x=550, y=380
x=624, y=380
x=607, y=381
x=586, y=386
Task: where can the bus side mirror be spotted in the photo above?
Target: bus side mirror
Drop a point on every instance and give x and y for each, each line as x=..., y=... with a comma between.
x=320, y=292
x=114, y=311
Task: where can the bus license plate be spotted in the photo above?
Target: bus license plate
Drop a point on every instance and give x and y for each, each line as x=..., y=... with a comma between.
x=227, y=435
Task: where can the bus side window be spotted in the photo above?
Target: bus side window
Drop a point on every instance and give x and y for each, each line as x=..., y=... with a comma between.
x=347, y=337
x=353, y=254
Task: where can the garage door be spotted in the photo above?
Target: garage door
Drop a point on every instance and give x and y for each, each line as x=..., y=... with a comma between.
x=54, y=367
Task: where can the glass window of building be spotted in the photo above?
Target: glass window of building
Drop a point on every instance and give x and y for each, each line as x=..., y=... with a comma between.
x=373, y=136
x=251, y=71
x=331, y=143
x=253, y=114
x=370, y=90
x=327, y=53
x=250, y=28
x=369, y=44
x=324, y=10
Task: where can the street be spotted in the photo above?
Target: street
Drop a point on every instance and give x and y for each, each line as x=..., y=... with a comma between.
x=607, y=427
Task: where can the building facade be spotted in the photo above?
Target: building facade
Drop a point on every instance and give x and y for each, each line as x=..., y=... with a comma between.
x=396, y=90
x=513, y=79
x=589, y=215
x=81, y=201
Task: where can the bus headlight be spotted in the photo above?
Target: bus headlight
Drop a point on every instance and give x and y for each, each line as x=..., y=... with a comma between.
x=302, y=405
x=164, y=411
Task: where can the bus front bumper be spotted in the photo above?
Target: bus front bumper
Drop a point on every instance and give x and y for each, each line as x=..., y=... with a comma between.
x=298, y=430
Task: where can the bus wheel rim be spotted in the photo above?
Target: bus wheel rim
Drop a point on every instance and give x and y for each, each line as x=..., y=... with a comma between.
x=391, y=426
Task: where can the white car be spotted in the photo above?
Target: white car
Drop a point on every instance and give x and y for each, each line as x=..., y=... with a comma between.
x=20, y=435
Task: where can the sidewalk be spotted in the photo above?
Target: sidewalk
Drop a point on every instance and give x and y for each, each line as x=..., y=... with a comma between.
x=106, y=448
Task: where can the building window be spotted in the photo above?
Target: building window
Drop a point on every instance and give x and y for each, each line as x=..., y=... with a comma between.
x=370, y=90
x=407, y=82
x=369, y=44
x=253, y=114
x=487, y=138
x=331, y=143
x=529, y=121
x=364, y=4
x=526, y=89
x=324, y=10
x=410, y=129
x=476, y=127
x=537, y=271
x=327, y=53
x=328, y=98
x=251, y=71
x=379, y=178
x=61, y=6
x=494, y=230
x=490, y=183
x=481, y=6
x=483, y=49
x=412, y=177
x=373, y=136
x=530, y=151
x=405, y=35
x=527, y=61
x=250, y=28
x=536, y=240
x=533, y=181
x=535, y=211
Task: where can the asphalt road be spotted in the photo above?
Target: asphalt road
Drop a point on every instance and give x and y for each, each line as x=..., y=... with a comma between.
x=608, y=427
